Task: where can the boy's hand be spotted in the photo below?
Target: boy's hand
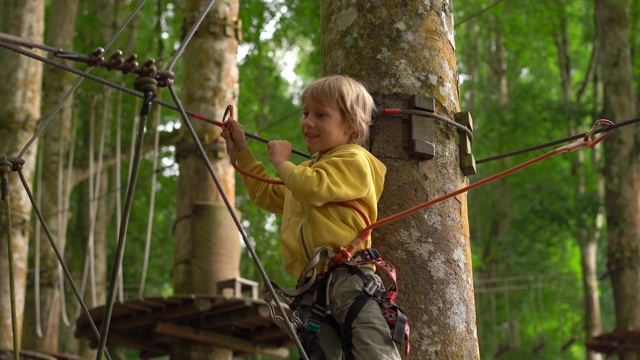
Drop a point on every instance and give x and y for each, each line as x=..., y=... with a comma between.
x=233, y=134
x=279, y=152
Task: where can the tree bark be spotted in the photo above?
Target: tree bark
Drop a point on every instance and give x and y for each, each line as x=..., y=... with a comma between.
x=55, y=146
x=622, y=168
x=399, y=49
x=204, y=230
x=20, y=97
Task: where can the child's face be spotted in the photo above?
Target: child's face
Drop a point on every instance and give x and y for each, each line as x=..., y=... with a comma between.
x=323, y=127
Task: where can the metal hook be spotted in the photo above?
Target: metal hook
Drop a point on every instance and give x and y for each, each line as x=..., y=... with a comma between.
x=228, y=112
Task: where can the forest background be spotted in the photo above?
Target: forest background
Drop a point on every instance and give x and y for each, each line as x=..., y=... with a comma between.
x=527, y=76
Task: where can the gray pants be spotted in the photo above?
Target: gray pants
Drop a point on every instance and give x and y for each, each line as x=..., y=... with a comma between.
x=371, y=338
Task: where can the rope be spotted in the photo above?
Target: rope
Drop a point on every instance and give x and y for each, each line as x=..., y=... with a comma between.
x=5, y=167
x=77, y=83
x=245, y=238
x=60, y=258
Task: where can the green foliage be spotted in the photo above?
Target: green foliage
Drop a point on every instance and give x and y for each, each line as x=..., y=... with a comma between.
x=525, y=229
x=530, y=223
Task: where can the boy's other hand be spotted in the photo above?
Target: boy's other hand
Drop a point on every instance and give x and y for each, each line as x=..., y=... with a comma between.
x=279, y=152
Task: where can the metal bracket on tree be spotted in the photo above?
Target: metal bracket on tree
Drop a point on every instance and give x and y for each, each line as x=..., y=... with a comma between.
x=467, y=161
x=421, y=143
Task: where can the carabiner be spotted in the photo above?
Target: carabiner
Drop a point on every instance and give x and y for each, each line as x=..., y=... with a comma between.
x=593, y=130
x=227, y=112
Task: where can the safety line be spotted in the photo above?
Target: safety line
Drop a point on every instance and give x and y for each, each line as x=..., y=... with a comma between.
x=245, y=238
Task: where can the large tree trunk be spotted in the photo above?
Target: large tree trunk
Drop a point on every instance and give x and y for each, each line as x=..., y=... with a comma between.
x=20, y=97
x=207, y=247
x=398, y=49
x=622, y=162
x=55, y=146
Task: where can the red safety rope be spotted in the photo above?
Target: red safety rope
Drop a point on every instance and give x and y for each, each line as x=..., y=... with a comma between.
x=346, y=253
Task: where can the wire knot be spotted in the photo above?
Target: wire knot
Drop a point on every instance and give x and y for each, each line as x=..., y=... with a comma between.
x=14, y=163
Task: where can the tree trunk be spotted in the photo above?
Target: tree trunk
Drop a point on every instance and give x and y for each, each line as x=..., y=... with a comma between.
x=399, y=49
x=20, y=97
x=207, y=247
x=621, y=165
x=55, y=146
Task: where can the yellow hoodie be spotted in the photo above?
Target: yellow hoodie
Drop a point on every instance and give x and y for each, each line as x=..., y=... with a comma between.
x=310, y=216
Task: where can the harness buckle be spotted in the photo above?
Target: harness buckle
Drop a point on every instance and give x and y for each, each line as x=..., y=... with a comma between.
x=372, y=289
x=313, y=326
x=367, y=256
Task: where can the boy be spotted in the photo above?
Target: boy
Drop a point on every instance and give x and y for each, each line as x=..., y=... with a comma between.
x=335, y=123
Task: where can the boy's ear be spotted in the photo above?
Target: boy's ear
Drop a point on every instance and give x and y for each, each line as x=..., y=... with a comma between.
x=351, y=128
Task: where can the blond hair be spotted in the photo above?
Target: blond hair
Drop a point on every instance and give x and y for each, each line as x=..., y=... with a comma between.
x=352, y=99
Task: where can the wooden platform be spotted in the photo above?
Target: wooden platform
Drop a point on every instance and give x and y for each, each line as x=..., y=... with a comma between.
x=615, y=342
x=149, y=325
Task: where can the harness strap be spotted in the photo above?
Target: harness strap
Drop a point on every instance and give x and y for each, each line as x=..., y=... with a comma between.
x=311, y=345
x=393, y=314
x=352, y=314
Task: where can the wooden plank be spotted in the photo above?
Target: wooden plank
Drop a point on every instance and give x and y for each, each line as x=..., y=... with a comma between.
x=219, y=340
x=614, y=342
x=134, y=342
